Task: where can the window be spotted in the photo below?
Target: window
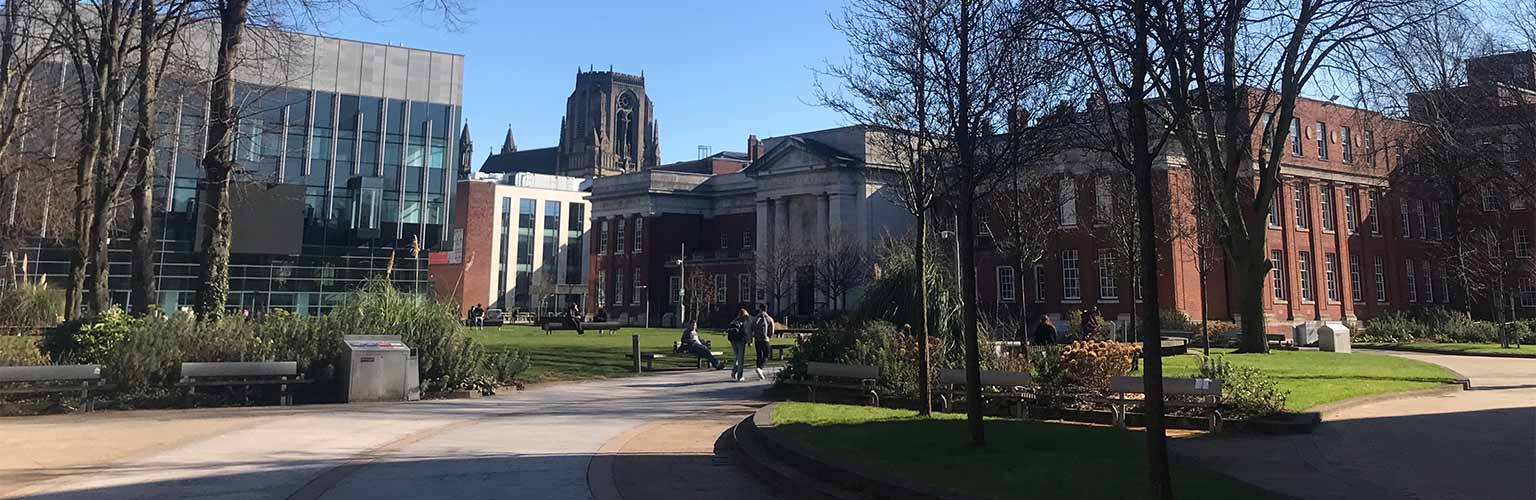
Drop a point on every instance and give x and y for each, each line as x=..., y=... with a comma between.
x=720, y=288
x=1268, y=120
x=1322, y=141
x=1429, y=282
x=1068, y=201
x=1346, y=145
x=618, y=241
x=1136, y=284
x=1381, y=278
x=1404, y=219
x=1522, y=243
x=505, y=253
x=725, y=241
x=1277, y=274
x=1433, y=230
x=602, y=237
x=746, y=240
x=639, y=234
x=1445, y=285
x=602, y=287
x=744, y=287
x=1104, y=201
x=1418, y=209
x=1527, y=293
x=1354, y=281
x=1274, y=211
x=1071, y=287
x=674, y=286
x=1373, y=216
x=1331, y=276
x=1039, y=283
x=1108, y=288
x=1295, y=137
x=634, y=281
x=1351, y=210
x=1412, y=283
x=1370, y=147
x=1304, y=266
x=1492, y=202
x=1299, y=195
x=1005, y=290
x=1325, y=202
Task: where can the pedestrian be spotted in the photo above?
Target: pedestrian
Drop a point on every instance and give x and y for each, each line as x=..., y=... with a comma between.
x=601, y=316
x=691, y=344
x=1045, y=332
x=477, y=316
x=738, y=335
x=762, y=330
x=1090, y=326
x=573, y=318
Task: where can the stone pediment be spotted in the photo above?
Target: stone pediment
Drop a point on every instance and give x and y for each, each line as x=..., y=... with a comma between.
x=797, y=154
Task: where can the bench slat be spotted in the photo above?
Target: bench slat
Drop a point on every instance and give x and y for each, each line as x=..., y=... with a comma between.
x=988, y=378
x=241, y=369
x=1184, y=386
x=819, y=369
x=47, y=373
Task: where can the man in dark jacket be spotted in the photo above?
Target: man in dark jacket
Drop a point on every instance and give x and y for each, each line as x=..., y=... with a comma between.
x=762, y=330
x=1045, y=332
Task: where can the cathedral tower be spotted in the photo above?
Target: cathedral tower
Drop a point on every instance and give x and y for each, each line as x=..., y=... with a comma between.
x=608, y=127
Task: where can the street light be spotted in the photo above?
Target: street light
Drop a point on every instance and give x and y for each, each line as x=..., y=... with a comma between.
x=646, y=296
x=946, y=234
x=682, y=283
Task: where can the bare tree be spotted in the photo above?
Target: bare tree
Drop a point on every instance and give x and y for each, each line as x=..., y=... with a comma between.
x=1025, y=220
x=778, y=271
x=1494, y=270
x=886, y=88
x=840, y=268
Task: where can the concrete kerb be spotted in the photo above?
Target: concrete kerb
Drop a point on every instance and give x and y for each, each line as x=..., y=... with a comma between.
x=1431, y=350
x=600, y=469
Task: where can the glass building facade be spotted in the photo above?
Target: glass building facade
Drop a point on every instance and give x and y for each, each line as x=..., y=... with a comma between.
x=367, y=144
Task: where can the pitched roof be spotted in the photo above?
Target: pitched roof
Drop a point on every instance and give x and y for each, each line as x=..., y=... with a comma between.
x=539, y=161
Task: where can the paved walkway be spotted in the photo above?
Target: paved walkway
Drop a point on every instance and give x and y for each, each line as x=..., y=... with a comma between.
x=1477, y=444
x=538, y=443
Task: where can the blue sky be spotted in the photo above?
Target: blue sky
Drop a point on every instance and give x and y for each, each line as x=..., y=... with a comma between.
x=717, y=70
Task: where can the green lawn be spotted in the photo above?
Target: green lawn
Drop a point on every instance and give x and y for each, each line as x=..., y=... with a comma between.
x=1314, y=378
x=567, y=356
x=1524, y=351
x=1023, y=459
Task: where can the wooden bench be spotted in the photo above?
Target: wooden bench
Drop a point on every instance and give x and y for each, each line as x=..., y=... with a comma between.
x=1203, y=394
x=600, y=327
x=53, y=378
x=243, y=373
x=778, y=350
x=840, y=376
x=650, y=357
x=798, y=332
x=1014, y=386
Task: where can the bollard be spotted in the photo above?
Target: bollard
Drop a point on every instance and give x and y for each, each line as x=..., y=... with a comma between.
x=634, y=341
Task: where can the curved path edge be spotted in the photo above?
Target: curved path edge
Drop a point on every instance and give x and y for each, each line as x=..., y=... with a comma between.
x=1431, y=350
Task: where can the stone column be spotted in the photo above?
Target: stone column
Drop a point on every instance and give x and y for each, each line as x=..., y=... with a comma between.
x=823, y=232
x=761, y=247
x=781, y=224
x=839, y=226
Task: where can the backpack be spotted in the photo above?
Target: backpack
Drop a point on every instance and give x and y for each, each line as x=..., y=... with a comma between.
x=735, y=333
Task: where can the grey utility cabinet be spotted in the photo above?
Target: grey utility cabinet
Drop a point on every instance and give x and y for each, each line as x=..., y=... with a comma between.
x=378, y=368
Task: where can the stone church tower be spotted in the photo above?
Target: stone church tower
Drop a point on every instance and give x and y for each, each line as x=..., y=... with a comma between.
x=608, y=127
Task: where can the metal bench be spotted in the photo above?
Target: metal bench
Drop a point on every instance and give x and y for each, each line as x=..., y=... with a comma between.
x=650, y=357
x=243, y=373
x=1203, y=394
x=1014, y=386
x=779, y=350
x=798, y=332
x=840, y=376
x=53, y=378
x=598, y=326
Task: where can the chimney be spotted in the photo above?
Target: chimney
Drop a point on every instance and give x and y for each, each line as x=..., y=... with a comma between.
x=1018, y=119
x=754, y=148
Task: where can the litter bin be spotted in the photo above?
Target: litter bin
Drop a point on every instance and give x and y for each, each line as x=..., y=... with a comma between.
x=377, y=368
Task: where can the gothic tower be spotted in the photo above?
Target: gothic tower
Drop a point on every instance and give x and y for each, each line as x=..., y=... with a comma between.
x=608, y=127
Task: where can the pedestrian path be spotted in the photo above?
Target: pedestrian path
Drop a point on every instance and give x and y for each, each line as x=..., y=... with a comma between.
x=1478, y=444
x=538, y=443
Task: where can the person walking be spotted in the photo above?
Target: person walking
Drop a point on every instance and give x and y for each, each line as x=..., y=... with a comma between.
x=738, y=335
x=762, y=330
x=1045, y=332
x=1090, y=330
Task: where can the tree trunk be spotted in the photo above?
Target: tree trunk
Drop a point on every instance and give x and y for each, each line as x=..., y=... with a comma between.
x=1205, y=310
x=142, y=284
x=1159, y=484
x=85, y=187
x=920, y=260
x=213, y=291
x=965, y=226
x=101, y=258
x=1250, y=286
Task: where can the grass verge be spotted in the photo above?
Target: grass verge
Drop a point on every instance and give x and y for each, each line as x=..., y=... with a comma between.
x=567, y=356
x=1046, y=460
x=1314, y=378
x=1524, y=351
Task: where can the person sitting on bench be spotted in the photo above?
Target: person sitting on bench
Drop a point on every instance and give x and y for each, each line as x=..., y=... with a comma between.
x=691, y=344
x=573, y=318
x=601, y=316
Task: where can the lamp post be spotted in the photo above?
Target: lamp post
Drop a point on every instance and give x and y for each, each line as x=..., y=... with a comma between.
x=646, y=296
x=951, y=235
x=682, y=283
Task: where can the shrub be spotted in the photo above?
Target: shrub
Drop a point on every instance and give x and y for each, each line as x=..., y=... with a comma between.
x=449, y=359
x=1515, y=331
x=21, y=351
x=505, y=365
x=143, y=360
x=881, y=345
x=1091, y=364
x=1462, y=329
x=1391, y=328
x=1246, y=391
x=31, y=304
x=89, y=340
